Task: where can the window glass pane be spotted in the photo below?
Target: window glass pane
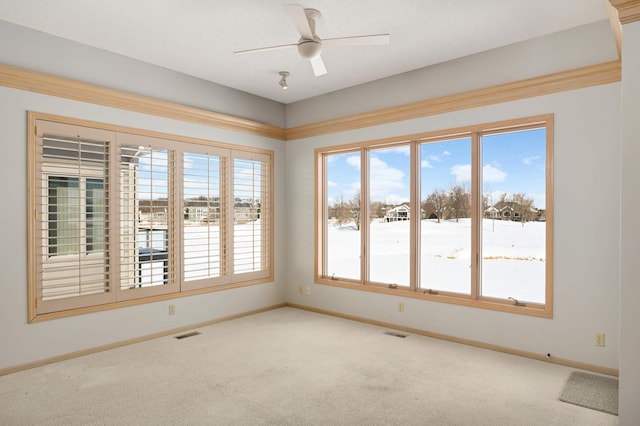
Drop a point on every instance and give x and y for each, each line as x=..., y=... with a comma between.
x=250, y=227
x=75, y=260
x=144, y=217
x=95, y=215
x=389, y=230
x=343, y=215
x=64, y=215
x=445, y=228
x=201, y=221
x=514, y=227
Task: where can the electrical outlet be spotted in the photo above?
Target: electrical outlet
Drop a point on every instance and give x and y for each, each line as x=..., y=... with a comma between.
x=599, y=339
x=400, y=306
x=308, y=291
x=300, y=289
x=172, y=309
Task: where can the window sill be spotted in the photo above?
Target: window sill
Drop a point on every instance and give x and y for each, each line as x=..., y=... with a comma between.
x=143, y=300
x=535, y=310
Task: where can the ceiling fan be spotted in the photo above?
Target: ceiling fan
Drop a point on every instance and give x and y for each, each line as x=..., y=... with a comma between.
x=310, y=45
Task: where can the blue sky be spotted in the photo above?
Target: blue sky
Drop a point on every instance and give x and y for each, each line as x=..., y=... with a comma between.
x=512, y=162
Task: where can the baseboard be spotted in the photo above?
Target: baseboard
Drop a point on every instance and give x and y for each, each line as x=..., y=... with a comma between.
x=540, y=357
x=64, y=357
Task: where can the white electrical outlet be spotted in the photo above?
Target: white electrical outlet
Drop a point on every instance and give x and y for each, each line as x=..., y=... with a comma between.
x=308, y=291
x=300, y=289
x=172, y=309
x=599, y=339
x=400, y=306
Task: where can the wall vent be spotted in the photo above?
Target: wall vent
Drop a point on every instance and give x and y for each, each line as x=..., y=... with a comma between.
x=396, y=334
x=184, y=336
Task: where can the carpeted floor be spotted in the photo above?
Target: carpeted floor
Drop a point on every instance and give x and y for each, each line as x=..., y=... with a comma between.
x=592, y=391
x=292, y=367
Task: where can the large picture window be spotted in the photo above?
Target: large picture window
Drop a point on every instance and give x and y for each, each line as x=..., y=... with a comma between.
x=120, y=216
x=460, y=217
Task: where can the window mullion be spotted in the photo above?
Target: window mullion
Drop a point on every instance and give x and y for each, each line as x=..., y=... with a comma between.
x=364, y=213
x=415, y=218
x=476, y=216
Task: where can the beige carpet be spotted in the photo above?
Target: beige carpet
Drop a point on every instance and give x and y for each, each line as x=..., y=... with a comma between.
x=291, y=367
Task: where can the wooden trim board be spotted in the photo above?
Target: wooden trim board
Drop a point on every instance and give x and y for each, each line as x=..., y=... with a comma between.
x=592, y=75
x=628, y=10
x=33, y=81
x=526, y=354
x=64, y=357
x=608, y=72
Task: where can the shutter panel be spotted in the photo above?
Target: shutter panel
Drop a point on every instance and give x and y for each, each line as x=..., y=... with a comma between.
x=251, y=215
x=146, y=211
x=203, y=221
x=73, y=185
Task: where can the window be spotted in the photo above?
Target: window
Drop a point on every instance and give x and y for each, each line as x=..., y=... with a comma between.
x=460, y=217
x=120, y=216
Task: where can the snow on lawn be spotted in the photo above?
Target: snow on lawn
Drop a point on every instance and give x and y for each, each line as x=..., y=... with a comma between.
x=513, y=256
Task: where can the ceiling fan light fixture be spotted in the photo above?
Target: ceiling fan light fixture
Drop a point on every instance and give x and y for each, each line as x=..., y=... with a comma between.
x=283, y=80
x=309, y=49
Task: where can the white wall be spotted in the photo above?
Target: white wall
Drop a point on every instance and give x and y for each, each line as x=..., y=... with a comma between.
x=630, y=229
x=23, y=342
x=586, y=240
x=33, y=50
x=566, y=50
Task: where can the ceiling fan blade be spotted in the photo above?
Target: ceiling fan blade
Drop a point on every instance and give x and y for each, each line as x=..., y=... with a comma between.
x=365, y=40
x=299, y=19
x=265, y=49
x=318, y=66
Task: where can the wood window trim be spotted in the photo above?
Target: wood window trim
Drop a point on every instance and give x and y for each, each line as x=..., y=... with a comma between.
x=34, y=168
x=474, y=299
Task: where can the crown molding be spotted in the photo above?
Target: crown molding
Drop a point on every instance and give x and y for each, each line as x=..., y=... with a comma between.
x=578, y=78
x=628, y=10
x=33, y=81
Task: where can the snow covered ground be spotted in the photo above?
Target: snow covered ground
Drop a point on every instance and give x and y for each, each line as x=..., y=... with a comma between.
x=202, y=253
x=513, y=256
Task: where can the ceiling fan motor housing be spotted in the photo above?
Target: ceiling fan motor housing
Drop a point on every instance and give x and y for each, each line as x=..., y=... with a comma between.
x=309, y=48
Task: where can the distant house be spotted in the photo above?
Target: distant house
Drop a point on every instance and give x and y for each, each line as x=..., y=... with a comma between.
x=398, y=213
x=511, y=210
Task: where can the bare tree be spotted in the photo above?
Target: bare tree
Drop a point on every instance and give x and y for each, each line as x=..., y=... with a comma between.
x=377, y=209
x=459, y=202
x=353, y=206
x=435, y=204
x=341, y=211
x=523, y=205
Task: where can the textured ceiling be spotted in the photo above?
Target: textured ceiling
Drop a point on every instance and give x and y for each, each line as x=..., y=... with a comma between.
x=198, y=37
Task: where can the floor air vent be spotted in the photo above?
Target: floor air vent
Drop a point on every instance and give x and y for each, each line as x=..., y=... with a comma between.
x=396, y=334
x=184, y=336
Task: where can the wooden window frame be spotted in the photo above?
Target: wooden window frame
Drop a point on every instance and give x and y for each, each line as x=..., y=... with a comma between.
x=114, y=296
x=474, y=299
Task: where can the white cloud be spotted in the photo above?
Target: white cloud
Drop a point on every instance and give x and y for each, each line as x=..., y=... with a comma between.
x=354, y=161
x=462, y=172
x=490, y=174
x=435, y=158
x=331, y=184
x=386, y=182
x=404, y=150
x=446, y=153
x=527, y=161
x=425, y=164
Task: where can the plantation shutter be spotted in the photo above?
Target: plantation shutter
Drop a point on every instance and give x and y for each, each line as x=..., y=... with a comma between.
x=146, y=218
x=72, y=215
x=251, y=215
x=203, y=224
